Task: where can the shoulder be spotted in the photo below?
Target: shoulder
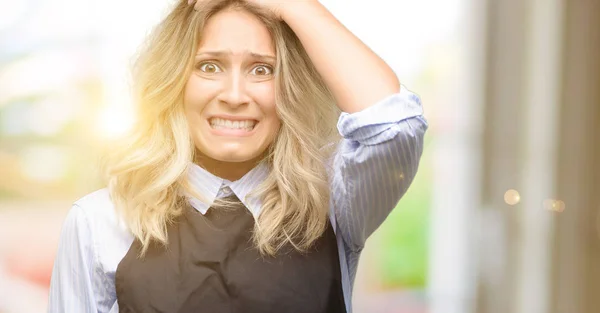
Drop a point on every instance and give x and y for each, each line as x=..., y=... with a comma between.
x=97, y=206
x=109, y=235
x=94, y=201
x=100, y=212
x=93, y=239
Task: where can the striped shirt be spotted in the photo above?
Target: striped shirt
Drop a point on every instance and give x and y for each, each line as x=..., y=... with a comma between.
x=371, y=170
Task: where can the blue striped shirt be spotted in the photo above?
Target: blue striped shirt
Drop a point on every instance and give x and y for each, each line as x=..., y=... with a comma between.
x=370, y=171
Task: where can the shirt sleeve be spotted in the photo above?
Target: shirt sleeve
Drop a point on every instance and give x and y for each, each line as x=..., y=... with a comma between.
x=375, y=163
x=71, y=288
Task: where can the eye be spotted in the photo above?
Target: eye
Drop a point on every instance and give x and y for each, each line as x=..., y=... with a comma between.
x=262, y=70
x=209, y=67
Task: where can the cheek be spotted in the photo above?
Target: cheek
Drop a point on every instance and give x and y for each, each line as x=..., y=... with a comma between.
x=264, y=90
x=197, y=93
x=266, y=99
x=194, y=101
x=273, y=122
x=190, y=91
x=264, y=94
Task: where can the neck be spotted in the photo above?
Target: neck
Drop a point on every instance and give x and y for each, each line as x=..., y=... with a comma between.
x=231, y=171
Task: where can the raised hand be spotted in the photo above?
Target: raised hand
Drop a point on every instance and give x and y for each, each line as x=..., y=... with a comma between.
x=277, y=7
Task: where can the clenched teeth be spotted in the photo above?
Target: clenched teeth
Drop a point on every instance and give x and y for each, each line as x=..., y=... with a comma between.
x=222, y=123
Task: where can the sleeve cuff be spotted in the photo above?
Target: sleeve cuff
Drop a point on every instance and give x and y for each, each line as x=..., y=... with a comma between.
x=381, y=116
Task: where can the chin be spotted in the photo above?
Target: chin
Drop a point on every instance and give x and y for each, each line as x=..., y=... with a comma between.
x=233, y=155
x=231, y=149
x=233, y=158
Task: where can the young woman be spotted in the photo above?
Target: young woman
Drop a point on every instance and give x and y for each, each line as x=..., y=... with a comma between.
x=235, y=192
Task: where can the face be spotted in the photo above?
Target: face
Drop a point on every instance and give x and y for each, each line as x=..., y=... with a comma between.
x=229, y=98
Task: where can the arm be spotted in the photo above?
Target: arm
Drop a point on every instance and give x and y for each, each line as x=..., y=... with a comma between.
x=356, y=76
x=375, y=163
x=382, y=128
x=71, y=289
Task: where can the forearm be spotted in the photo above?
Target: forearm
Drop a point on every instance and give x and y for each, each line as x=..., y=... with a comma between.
x=357, y=77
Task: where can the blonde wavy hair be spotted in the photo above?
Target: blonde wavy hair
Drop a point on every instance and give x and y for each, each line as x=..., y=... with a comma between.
x=146, y=171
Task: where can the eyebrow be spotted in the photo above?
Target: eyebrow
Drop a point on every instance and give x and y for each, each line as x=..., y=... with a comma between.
x=228, y=53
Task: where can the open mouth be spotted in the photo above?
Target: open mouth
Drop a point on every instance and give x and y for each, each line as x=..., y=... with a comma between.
x=219, y=123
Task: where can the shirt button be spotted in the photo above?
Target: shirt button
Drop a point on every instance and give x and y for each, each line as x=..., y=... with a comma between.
x=226, y=190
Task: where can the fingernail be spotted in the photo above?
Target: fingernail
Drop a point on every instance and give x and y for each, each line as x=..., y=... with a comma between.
x=191, y=1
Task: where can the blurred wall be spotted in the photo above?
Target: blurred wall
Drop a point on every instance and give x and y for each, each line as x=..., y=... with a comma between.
x=576, y=255
x=539, y=249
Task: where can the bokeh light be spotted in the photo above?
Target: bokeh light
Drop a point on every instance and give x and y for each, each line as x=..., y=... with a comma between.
x=554, y=205
x=512, y=197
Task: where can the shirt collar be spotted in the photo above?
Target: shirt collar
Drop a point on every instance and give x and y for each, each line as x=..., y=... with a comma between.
x=213, y=187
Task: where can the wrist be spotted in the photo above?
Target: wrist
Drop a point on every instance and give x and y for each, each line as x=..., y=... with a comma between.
x=299, y=8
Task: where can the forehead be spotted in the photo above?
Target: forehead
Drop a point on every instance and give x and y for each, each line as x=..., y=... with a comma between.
x=237, y=31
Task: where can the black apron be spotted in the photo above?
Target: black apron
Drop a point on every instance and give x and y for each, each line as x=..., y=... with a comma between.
x=210, y=265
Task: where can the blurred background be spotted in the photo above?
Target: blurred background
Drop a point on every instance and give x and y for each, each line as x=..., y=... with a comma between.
x=502, y=217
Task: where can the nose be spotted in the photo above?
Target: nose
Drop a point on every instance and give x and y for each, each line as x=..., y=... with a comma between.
x=234, y=91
